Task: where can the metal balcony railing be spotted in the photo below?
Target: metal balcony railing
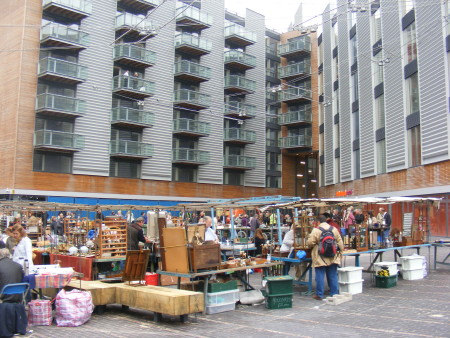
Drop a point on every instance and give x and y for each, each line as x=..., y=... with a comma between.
x=241, y=57
x=58, y=139
x=296, y=141
x=134, y=52
x=296, y=68
x=191, y=96
x=131, y=115
x=60, y=103
x=237, y=81
x=241, y=32
x=131, y=148
x=135, y=22
x=192, y=68
x=298, y=45
x=239, y=161
x=193, y=41
x=62, y=32
x=190, y=155
x=192, y=13
x=239, y=108
x=191, y=126
x=237, y=134
x=133, y=83
x=62, y=68
x=78, y=5
x=294, y=93
x=302, y=115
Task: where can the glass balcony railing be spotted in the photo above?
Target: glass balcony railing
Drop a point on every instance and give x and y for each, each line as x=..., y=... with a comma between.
x=62, y=32
x=193, y=41
x=271, y=96
x=192, y=68
x=237, y=134
x=62, y=68
x=136, y=22
x=272, y=72
x=296, y=141
x=191, y=126
x=190, y=155
x=134, y=52
x=130, y=115
x=271, y=50
x=130, y=148
x=192, y=13
x=239, y=161
x=191, y=96
x=297, y=68
x=298, y=45
x=134, y=84
x=239, y=108
x=78, y=5
x=237, y=81
x=273, y=166
x=60, y=103
x=241, y=57
x=301, y=115
x=241, y=32
x=294, y=93
x=58, y=139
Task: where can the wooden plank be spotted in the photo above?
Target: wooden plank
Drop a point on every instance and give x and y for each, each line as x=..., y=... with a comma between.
x=174, y=252
x=102, y=293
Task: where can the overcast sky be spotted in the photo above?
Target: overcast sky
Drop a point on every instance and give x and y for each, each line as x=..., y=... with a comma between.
x=279, y=13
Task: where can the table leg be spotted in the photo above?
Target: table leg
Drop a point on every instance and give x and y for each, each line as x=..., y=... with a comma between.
x=435, y=256
x=205, y=292
x=374, y=260
x=310, y=278
x=183, y=318
x=357, y=260
x=179, y=283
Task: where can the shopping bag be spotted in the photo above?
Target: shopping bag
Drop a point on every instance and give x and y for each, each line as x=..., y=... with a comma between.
x=73, y=308
x=40, y=312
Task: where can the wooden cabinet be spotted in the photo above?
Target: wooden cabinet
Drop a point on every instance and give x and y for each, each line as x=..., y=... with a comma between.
x=76, y=231
x=204, y=256
x=112, y=239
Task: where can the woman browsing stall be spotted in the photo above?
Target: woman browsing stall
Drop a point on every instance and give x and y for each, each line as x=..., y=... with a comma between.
x=23, y=250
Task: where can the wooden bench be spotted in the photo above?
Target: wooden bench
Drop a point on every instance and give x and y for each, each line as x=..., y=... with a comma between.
x=157, y=299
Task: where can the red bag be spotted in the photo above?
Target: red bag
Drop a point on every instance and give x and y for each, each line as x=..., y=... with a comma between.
x=73, y=308
x=40, y=312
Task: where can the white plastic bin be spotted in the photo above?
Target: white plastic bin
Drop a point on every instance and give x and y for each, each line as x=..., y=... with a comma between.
x=412, y=262
x=352, y=288
x=392, y=267
x=350, y=274
x=212, y=309
x=412, y=274
x=221, y=298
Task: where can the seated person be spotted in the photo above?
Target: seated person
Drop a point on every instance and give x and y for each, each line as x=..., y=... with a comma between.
x=288, y=242
x=10, y=273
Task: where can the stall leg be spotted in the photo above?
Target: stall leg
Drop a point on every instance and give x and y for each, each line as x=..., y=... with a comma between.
x=183, y=318
x=125, y=307
x=157, y=317
x=100, y=309
x=179, y=283
x=205, y=292
x=435, y=256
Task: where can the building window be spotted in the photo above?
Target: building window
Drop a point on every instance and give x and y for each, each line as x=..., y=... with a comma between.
x=355, y=89
x=376, y=26
x=413, y=104
x=231, y=177
x=414, y=147
x=379, y=111
x=52, y=162
x=406, y=6
x=336, y=135
x=272, y=68
x=355, y=117
x=336, y=68
x=271, y=137
x=273, y=182
x=353, y=50
x=337, y=170
x=125, y=168
x=184, y=174
x=357, y=166
x=273, y=161
x=410, y=43
x=381, y=157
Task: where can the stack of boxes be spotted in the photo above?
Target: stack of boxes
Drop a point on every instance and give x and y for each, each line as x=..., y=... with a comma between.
x=412, y=267
x=280, y=291
x=386, y=274
x=350, y=279
x=221, y=297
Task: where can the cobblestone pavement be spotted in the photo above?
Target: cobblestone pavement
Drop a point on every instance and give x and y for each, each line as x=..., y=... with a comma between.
x=419, y=308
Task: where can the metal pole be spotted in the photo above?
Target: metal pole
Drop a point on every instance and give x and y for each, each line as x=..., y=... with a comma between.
x=280, y=238
x=213, y=219
x=232, y=224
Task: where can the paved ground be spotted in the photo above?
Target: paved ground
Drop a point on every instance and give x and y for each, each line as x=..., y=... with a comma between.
x=418, y=308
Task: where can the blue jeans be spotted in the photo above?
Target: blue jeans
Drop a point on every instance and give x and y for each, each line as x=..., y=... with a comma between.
x=332, y=279
x=385, y=234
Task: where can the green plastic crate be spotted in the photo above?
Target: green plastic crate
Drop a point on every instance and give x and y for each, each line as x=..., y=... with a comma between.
x=385, y=282
x=220, y=287
x=279, y=285
x=279, y=301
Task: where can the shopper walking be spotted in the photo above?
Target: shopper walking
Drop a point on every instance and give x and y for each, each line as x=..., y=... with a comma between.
x=385, y=225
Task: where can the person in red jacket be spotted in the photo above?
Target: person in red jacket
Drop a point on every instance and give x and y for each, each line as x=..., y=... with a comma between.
x=331, y=222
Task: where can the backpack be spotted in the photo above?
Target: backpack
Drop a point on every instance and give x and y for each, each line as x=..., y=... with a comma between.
x=327, y=243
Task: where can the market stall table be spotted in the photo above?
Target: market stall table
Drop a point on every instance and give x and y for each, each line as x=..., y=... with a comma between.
x=440, y=245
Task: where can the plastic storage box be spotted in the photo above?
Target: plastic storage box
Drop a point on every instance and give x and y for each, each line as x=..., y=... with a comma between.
x=224, y=297
x=220, y=287
x=391, y=266
x=212, y=309
x=279, y=285
x=412, y=274
x=350, y=274
x=412, y=262
x=385, y=282
x=279, y=301
x=353, y=287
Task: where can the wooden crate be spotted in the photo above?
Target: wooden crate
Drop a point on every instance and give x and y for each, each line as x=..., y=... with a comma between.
x=76, y=231
x=204, y=256
x=112, y=239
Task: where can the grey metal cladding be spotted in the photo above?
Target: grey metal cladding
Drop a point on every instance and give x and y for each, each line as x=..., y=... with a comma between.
x=432, y=60
x=344, y=92
x=328, y=93
x=95, y=125
x=159, y=167
x=366, y=111
x=213, y=171
x=393, y=87
x=254, y=22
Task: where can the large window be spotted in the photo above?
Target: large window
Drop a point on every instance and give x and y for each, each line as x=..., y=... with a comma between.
x=413, y=104
x=357, y=164
x=273, y=181
x=337, y=170
x=125, y=168
x=273, y=161
x=410, y=43
x=355, y=88
x=184, y=174
x=376, y=26
x=381, y=157
x=353, y=50
x=379, y=111
x=231, y=177
x=52, y=162
x=406, y=6
x=272, y=137
x=355, y=117
x=414, y=147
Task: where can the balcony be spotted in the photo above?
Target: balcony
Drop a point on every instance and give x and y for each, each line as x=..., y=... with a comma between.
x=191, y=99
x=52, y=69
x=239, y=36
x=295, y=70
x=240, y=136
x=129, y=117
x=293, y=95
x=57, y=35
x=57, y=141
x=190, y=156
x=193, y=18
x=134, y=56
x=192, y=44
x=133, y=87
x=191, y=71
x=296, y=47
x=239, y=162
x=298, y=141
x=298, y=117
x=190, y=127
x=239, y=84
x=238, y=60
x=130, y=149
x=59, y=105
x=135, y=26
x=239, y=109
x=70, y=9
x=142, y=6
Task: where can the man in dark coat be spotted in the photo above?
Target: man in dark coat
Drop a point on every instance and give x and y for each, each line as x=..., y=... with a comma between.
x=10, y=273
x=136, y=234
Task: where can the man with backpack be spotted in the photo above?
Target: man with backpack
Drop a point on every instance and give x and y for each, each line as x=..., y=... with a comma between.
x=327, y=248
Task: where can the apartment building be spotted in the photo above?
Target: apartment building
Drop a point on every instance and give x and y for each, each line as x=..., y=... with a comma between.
x=384, y=93
x=134, y=99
